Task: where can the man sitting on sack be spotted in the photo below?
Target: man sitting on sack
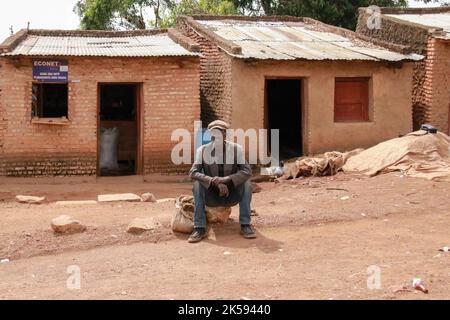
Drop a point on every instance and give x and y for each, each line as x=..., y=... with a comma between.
x=221, y=179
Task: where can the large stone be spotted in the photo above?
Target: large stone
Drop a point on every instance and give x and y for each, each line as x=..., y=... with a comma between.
x=65, y=224
x=30, y=199
x=140, y=225
x=148, y=197
x=130, y=197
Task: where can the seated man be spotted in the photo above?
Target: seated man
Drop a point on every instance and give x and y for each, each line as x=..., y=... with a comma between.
x=221, y=179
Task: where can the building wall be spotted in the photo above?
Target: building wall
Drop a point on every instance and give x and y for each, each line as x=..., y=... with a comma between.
x=390, y=101
x=170, y=93
x=215, y=77
x=430, y=98
x=436, y=88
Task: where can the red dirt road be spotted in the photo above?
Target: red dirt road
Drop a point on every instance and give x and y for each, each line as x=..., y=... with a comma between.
x=311, y=244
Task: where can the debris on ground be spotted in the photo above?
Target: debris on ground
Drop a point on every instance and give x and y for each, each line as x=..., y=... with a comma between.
x=30, y=199
x=65, y=224
x=148, y=197
x=254, y=213
x=398, y=289
x=276, y=171
x=445, y=249
x=419, y=285
x=140, y=225
x=4, y=261
x=129, y=197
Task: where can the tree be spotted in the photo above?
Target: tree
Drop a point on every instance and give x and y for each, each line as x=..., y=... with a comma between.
x=140, y=14
x=198, y=7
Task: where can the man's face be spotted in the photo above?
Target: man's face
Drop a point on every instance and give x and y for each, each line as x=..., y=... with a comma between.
x=218, y=134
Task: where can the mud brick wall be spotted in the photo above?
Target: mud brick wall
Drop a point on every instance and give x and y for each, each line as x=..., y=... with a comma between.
x=437, y=83
x=170, y=100
x=430, y=99
x=395, y=31
x=215, y=77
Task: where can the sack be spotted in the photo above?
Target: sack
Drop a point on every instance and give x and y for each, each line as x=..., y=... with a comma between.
x=108, y=148
x=183, y=218
x=218, y=214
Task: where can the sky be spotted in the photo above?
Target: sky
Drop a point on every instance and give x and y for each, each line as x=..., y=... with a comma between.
x=50, y=14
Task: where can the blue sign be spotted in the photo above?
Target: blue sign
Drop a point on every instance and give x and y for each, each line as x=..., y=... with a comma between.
x=51, y=70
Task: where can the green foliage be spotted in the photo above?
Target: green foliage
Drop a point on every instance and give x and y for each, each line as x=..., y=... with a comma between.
x=197, y=7
x=135, y=14
x=140, y=14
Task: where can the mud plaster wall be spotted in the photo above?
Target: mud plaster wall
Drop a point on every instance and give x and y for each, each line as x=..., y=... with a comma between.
x=389, y=106
x=170, y=93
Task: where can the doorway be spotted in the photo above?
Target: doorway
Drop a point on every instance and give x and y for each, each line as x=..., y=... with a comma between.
x=284, y=112
x=118, y=129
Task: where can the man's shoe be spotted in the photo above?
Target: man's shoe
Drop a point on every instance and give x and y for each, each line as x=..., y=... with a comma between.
x=247, y=231
x=197, y=235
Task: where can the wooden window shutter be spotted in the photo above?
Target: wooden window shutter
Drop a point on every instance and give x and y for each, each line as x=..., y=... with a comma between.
x=351, y=100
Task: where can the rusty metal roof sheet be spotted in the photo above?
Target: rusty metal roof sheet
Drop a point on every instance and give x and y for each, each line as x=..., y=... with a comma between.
x=124, y=46
x=433, y=20
x=282, y=40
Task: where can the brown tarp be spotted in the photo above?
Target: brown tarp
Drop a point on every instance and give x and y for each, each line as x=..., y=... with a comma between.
x=417, y=154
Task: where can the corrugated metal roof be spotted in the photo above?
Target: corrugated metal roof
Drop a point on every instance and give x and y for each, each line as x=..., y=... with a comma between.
x=130, y=46
x=432, y=20
x=296, y=40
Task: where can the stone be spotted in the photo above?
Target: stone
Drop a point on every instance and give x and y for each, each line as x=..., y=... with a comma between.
x=148, y=197
x=130, y=197
x=30, y=199
x=65, y=224
x=166, y=200
x=140, y=225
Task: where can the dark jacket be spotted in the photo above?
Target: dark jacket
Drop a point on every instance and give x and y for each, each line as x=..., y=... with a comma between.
x=239, y=170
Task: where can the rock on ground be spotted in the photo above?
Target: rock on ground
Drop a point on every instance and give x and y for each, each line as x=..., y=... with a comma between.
x=148, y=197
x=65, y=224
x=130, y=197
x=140, y=225
x=30, y=199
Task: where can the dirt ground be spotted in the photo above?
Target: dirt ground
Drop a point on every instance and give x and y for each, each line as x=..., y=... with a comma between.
x=317, y=237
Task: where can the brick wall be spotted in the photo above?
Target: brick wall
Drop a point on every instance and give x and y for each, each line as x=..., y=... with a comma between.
x=170, y=94
x=437, y=84
x=215, y=77
x=430, y=98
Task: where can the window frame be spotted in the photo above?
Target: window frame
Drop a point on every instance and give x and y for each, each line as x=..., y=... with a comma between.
x=365, y=114
x=37, y=111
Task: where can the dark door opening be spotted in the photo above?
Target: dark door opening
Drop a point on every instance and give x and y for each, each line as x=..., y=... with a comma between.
x=118, y=132
x=284, y=112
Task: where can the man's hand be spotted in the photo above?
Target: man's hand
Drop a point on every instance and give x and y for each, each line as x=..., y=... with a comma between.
x=223, y=190
x=220, y=180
